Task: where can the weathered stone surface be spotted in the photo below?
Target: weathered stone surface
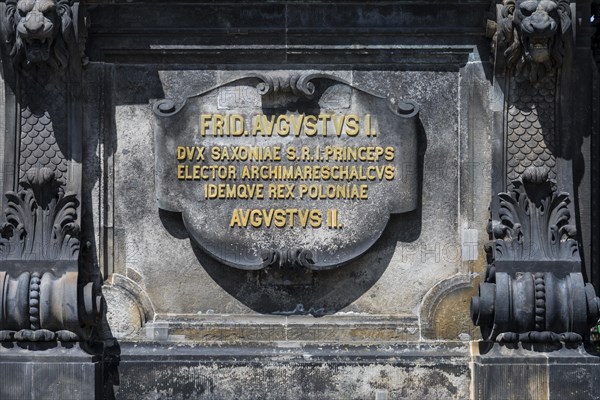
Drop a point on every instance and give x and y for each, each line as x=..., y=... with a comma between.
x=426, y=252
x=292, y=371
x=287, y=32
x=535, y=372
x=123, y=314
x=53, y=372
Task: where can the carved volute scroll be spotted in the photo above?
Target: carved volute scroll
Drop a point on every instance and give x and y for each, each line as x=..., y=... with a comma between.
x=534, y=289
x=42, y=297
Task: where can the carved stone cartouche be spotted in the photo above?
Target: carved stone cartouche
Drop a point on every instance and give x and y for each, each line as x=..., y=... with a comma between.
x=278, y=96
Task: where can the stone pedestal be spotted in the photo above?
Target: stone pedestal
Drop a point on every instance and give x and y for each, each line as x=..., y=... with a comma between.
x=48, y=371
x=535, y=371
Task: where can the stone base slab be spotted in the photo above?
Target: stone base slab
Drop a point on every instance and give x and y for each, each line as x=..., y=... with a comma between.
x=48, y=371
x=292, y=370
x=535, y=372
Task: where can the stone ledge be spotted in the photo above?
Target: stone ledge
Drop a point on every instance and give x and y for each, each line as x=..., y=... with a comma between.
x=292, y=371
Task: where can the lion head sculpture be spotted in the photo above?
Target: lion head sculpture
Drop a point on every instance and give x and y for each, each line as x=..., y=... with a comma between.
x=39, y=31
x=534, y=34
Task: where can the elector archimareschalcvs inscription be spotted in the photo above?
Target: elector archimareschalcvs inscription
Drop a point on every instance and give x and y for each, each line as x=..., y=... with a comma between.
x=286, y=169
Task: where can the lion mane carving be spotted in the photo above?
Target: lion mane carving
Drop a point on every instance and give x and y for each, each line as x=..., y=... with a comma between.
x=533, y=34
x=39, y=31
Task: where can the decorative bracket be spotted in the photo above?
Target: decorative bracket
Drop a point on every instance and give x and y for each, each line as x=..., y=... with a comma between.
x=43, y=297
x=534, y=289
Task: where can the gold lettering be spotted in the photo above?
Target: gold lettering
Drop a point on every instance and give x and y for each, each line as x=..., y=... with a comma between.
x=204, y=122
x=352, y=125
x=180, y=153
x=257, y=126
x=297, y=124
x=236, y=124
x=235, y=219
x=269, y=123
x=219, y=123
x=280, y=218
x=316, y=218
x=338, y=124
x=310, y=125
x=283, y=125
x=256, y=218
x=291, y=153
x=324, y=118
x=389, y=153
